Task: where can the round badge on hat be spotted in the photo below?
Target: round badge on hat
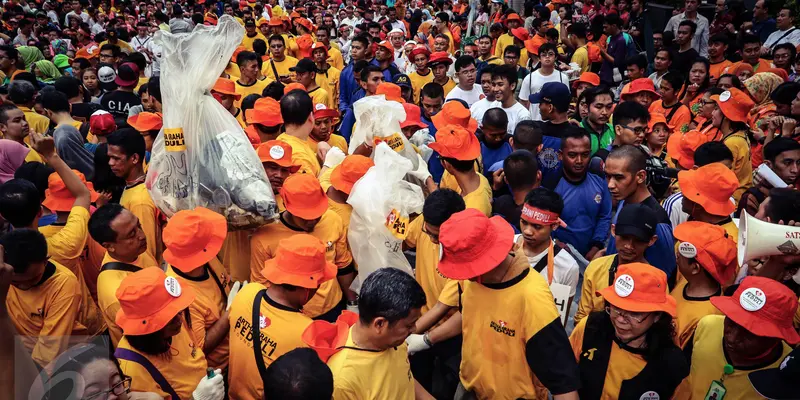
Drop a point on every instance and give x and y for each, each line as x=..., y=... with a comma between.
x=320, y=106
x=173, y=286
x=687, y=250
x=724, y=96
x=276, y=152
x=650, y=395
x=752, y=299
x=623, y=286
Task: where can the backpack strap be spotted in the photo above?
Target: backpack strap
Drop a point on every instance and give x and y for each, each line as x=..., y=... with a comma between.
x=132, y=356
x=119, y=266
x=255, y=325
x=274, y=70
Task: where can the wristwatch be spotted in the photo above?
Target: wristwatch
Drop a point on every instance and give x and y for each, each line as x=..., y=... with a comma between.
x=427, y=339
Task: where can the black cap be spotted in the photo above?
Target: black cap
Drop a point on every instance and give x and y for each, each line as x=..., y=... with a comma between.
x=304, y=65
x=636, y=220
x=402, y=80
x=781, y=382
x=555, y=93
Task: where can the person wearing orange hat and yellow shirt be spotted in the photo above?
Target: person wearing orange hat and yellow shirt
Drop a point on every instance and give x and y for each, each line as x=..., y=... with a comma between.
x=232, y=70
x=513, y=21
x=272, y=317
x=193, y=238
x=224, y=91
x=327, y=75
x=248, y=83
x=755, y=333
x=710, y=203
x=264, y=120
x=339, y=182
x=706, y=259
x=626, y=351
x=423, y=74
x=334, y=53
x=276, y=158
x=325, y=118
x=251, y=34
x=730, y=116
x=148, y=125
x=278, y=68
x=306, y=74
x=477, y=250
x=119, y=232
x=307, y=211
x=439, y=64
x=658, y=133
x=159, y=351
x=297, y=112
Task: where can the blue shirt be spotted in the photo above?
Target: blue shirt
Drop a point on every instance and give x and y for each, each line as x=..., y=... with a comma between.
x=587, y=210
x=617, y=48
x=349, y=119
x=662, y=253
x=347, y=87
x=495, y=156
x=434, y=165
x=764, y=28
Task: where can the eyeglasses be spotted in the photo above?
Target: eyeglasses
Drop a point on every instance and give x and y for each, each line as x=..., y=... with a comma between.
x=124, y=386
x=626, y=315
x=639, y=131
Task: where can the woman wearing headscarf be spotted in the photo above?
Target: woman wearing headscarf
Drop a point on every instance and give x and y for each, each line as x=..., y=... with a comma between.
x=760, y=86
x=29, y=55
x=45, y=71
x=12, y=156
x=69, y=145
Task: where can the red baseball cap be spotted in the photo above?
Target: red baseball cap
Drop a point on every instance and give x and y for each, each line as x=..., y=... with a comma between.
x=640, y=287
x=101, y=123
x=473, y=244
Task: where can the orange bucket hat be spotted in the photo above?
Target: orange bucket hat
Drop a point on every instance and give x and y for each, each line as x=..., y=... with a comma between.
x=226, y=86
x=640, y=287
x=299, y=261
x=275, y=22
x=711, y=246
x=305, y=24
x=388, y=46
x=293, y=86
x=454, y=113
x=715, y=198
x=146, y=121
x=658, y=118
x=520, y=33
x=149, y=300
x=513, y=17
x=532, y=46
x=303, y=196
x=326, y=338
x=473, y=244
x=262, y=21
x=58, y=198
x=346, y=174
x=642, y=85
x=763, y=306
x=319, y=45
x=252, y=136
x=453, y=141
x=734, y=104
x=266, y=111
x=322, y=111
x=88, y=52
x=681, y=147
x=588, y=77
x=193, y=237
x=413, y=116
x=391, y=91
x=236, y=52
x=278, y=152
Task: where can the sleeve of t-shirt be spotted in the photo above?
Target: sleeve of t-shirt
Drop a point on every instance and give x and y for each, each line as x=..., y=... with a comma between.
x=525, y=90
x=560, y=373
x=70, y=241
x=414, y=230
x=343, y=257
x=449, y=294
x=198, y=325
x=259, y=253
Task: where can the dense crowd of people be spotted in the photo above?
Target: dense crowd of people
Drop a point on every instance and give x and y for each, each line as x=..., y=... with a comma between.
x=586, y=175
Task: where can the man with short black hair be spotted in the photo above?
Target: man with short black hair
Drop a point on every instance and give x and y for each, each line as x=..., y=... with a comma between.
x=298, y=374
x=504, y=81
x=484, y=78
x=494, y=137
x=120, y=101
x=297, y=111
x=786, y=32
x=615, y=52
x=552, y=102
x=630, y=124
x=23, y=95
x=250, y=67
x=717, y=57
x=533, y=83
x=348, y=84
x=686, y=53
x=73, y=89
x=600, y=101
x=466, y=89
x=699, y=39
x=521, y=174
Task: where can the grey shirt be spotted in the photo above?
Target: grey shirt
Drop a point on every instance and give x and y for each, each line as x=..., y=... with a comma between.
x=180, y=25
x=700, y=39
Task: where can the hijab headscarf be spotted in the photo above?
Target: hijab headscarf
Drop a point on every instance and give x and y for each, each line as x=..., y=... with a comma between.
x=49, y=71
x=69, y=145
x=29, y=55
x=59, y=46
x=760, y=86
x=741, y=67
x=12, y=156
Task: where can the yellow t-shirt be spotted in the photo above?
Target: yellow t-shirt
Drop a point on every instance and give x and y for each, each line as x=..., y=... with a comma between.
x=503, y=41
x=418, y=81
x=124, y=46
x=33, y=156
x=330, y=81
x=436, y=286
x=281, y=332
x=38, y=123
x=498, y=323
x=46, y=315
x=302, y=154
x=335, y=58
x=247, y=41
x=208, y=307
x=481, y=198
x=355, y=371
x=493, y=60
x=330, y=230
x=690, y=311
x=448, y=86
x=183, y=369
x=740, y=147
x=335, y=141
x=256, y=87
x=235, y=254
x=708, y=361
x=322, y=96
x=281, y=66
x=581, y=57
x=137, y=200
x=107, y=284
x=594, y=278
x=67, y=245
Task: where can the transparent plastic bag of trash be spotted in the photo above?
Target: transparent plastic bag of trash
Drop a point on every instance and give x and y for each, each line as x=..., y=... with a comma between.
x=382, y=202
x=378, y=120
x=202, y=157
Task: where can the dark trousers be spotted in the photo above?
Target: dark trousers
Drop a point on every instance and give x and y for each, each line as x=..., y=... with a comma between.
x=436, y=369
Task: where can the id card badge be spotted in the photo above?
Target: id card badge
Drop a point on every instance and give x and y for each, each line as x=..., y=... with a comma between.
x=716, y=391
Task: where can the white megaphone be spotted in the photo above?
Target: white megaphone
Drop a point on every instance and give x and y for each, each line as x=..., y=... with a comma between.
x=759, y=239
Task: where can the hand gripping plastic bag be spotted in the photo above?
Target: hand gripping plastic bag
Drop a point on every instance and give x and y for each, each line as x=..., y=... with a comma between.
x=378, y=120
x=202, y=157
x=382, y=202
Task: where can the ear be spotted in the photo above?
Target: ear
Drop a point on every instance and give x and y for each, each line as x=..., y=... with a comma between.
x=538, y=180
x=641, y=177
x=613, y=230
x=511, y=141
x=539, y=149
x=769, y=163
x=653, y=240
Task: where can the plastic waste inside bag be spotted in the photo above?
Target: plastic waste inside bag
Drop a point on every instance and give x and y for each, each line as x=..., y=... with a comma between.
x=422, y=138
x=378, y=120
x=202, y=157
x=382, y=202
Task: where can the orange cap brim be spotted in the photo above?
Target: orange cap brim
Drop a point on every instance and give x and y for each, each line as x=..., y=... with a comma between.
x=65, y=204
x=275, y=273
x=670, y=306
x=161, y=318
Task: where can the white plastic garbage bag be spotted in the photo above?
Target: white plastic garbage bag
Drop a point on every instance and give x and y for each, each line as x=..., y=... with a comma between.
x=422, y=138
x=382, y=202
x=378, y=120
x=202, y=157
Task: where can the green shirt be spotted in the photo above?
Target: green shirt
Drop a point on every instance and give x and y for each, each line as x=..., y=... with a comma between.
x=600, y=140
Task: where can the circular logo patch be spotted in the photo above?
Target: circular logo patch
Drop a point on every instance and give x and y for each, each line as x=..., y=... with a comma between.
x=651, y=395
x=548, y=158
x=724, y=96
x=598, y=198
x=320, y=106
x=624, y=285
x=173, y=286
x=276, y=152
x=687, y=250
x=753, y=299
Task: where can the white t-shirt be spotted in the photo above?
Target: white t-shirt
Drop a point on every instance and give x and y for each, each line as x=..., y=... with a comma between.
x=516, y=113
x=566, y=271
x=471, y=97
x=792, y=37
x=533, y=84
x=480, y=107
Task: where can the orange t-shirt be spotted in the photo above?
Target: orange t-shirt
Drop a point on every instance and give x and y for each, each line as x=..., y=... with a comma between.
x=680, y=118
x=718, y=69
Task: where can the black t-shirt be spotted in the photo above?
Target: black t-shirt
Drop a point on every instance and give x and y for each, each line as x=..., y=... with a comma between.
x=83, y=111
x=118, y=103
x=661, y=215
x=508, y=209
x=683, y=61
